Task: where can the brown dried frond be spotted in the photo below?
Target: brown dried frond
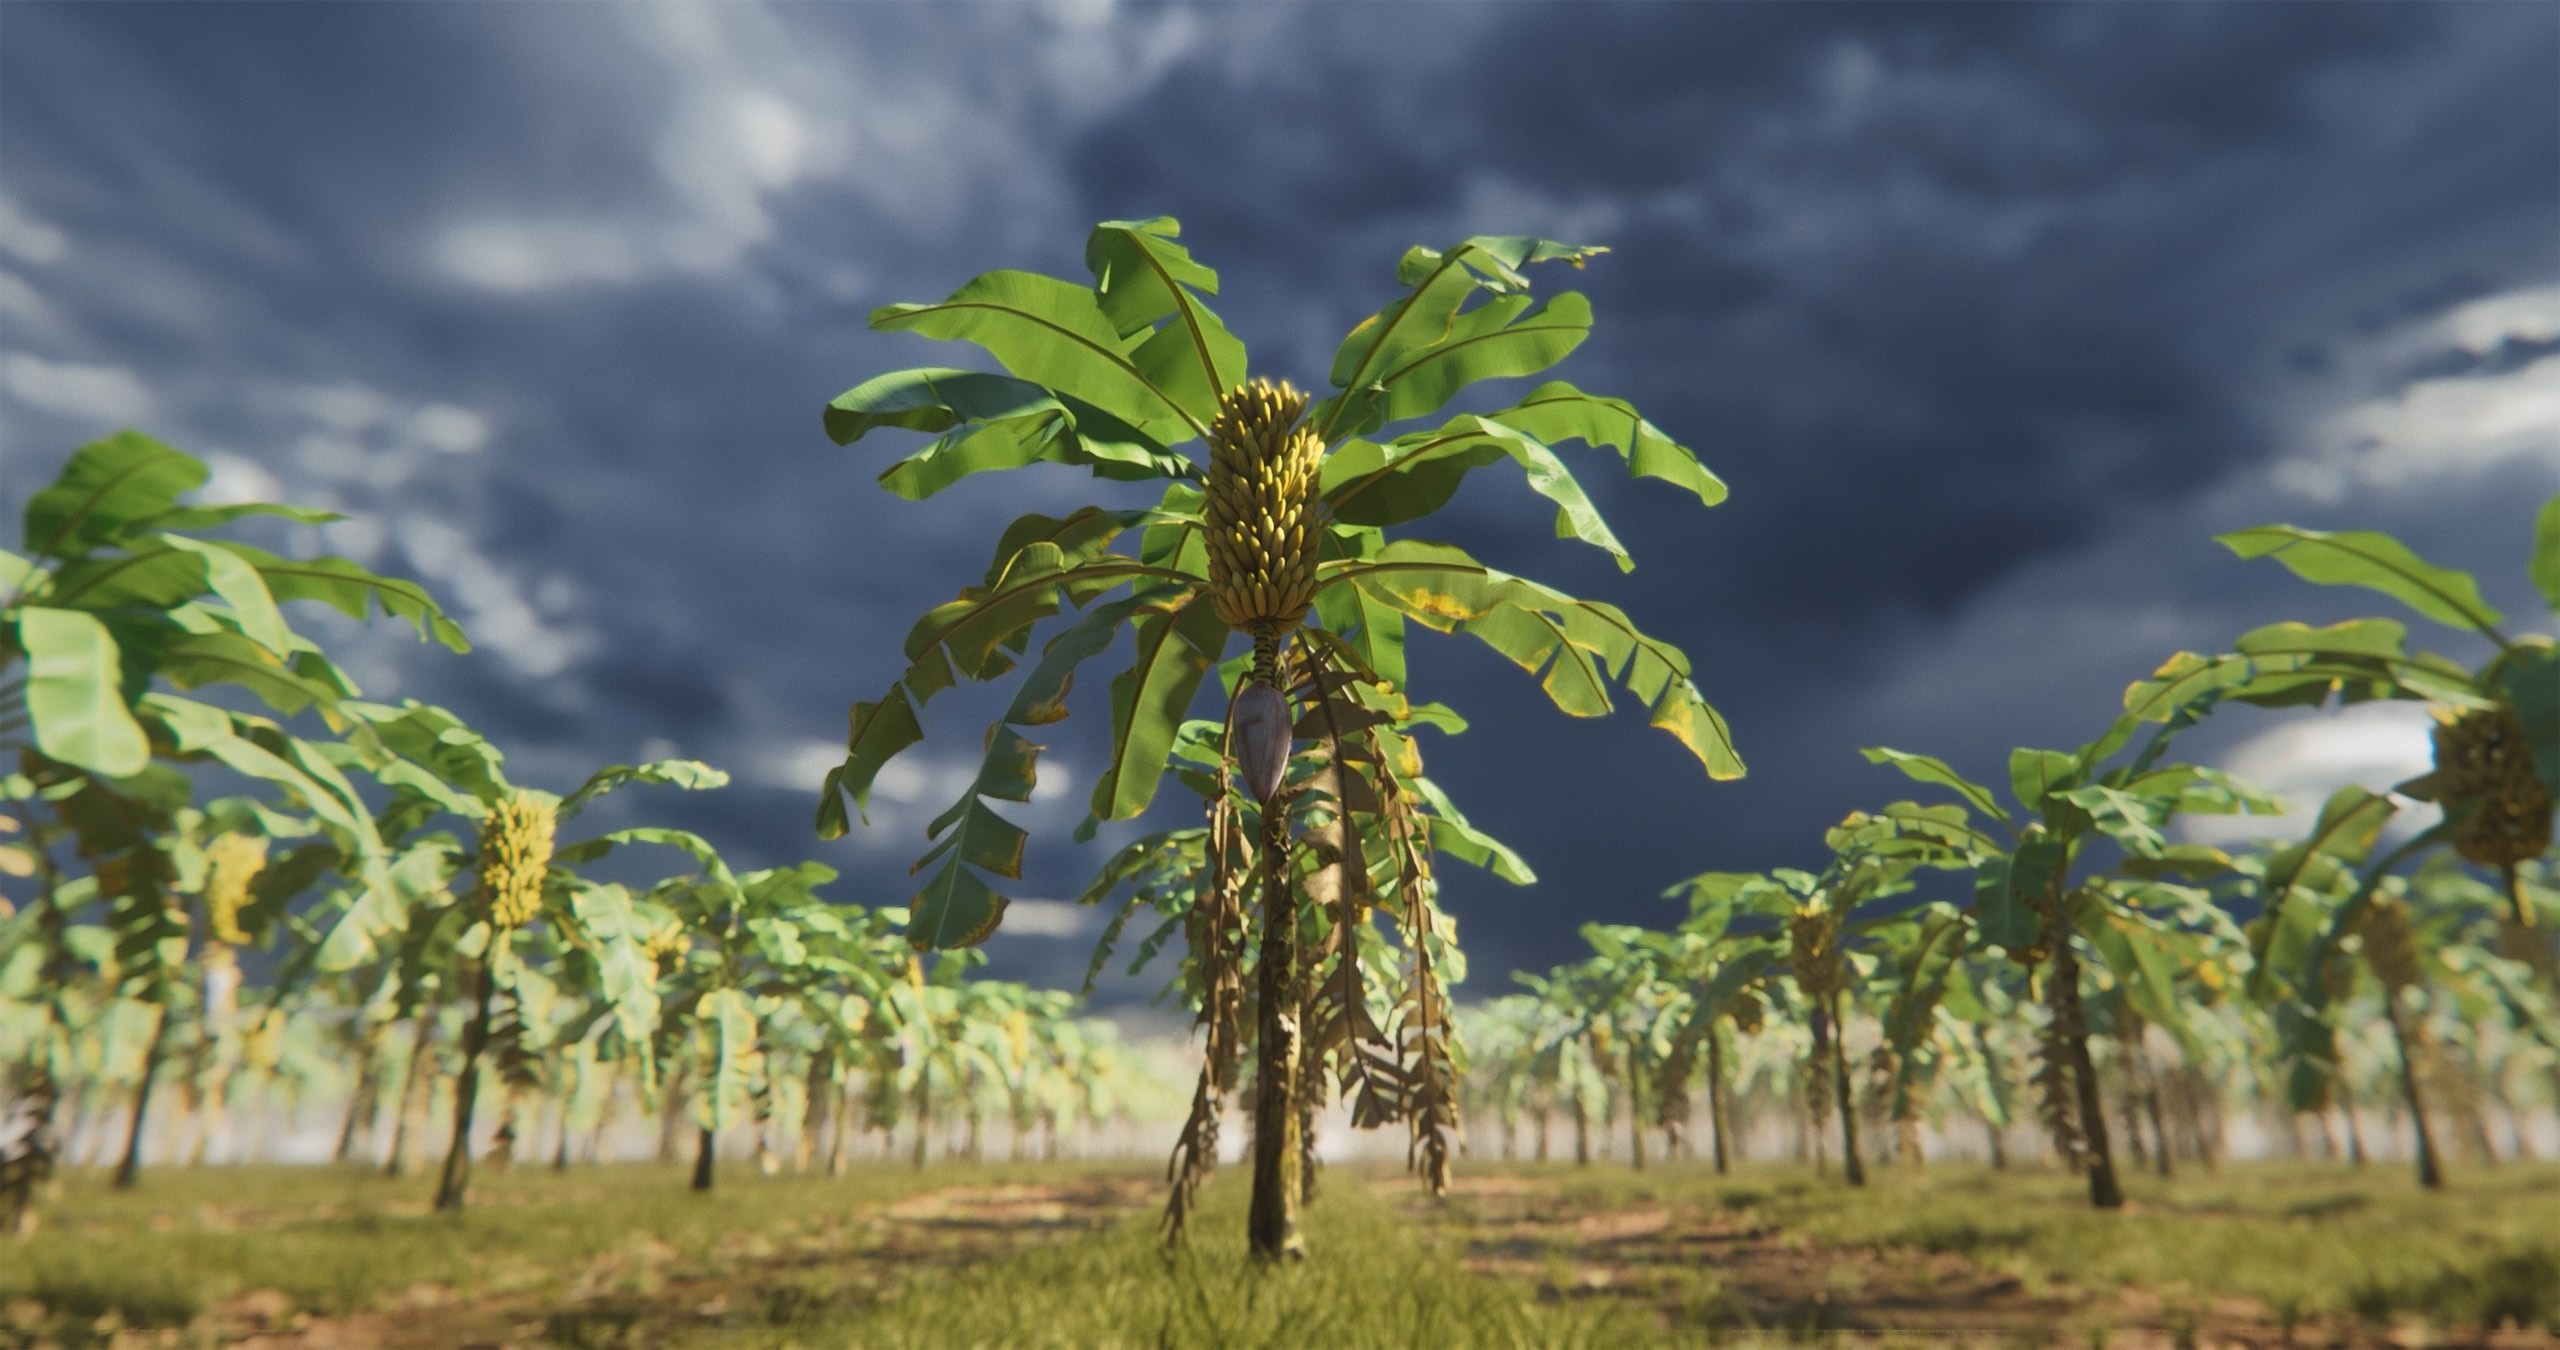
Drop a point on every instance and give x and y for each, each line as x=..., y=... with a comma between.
x=1422, y=1027
x=2057, y=1103
x=1216, y=930
x=1195, y=1155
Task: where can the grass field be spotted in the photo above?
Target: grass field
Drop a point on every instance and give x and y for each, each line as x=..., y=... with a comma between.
x=1066, y=1255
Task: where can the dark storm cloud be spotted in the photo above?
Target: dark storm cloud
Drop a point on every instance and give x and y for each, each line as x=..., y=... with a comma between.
x=1953, y=296
x=1944, y=252
x=1943, y=291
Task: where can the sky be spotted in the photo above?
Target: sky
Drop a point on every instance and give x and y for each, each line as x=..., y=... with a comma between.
x=1991, y=316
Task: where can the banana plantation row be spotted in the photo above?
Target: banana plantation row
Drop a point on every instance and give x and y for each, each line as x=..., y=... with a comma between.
x=2444, y=1011
x=431, y=930
x=2086, y=956
x=1298, y=889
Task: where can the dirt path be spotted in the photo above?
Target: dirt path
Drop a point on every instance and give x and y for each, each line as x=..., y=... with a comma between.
x=635, y=1297
x=1712, y=1269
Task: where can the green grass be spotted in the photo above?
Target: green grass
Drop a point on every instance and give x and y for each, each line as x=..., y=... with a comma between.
x=608, y=1256
x=1374, y=1278
x=2307, y=1240
x=339, y=1240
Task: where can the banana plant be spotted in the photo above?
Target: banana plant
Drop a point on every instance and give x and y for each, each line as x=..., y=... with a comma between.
x=216, y=854
x=1500, y=1035
x=2416, y=943
x=120, y=604
x=1572, y=1054
x=2496, y=740
x=1647, y=1004
x=1285, y=519
x=2039, y=896
x=2497, y=734
x=753, y=946
x=1818, y=914
x=524, y=908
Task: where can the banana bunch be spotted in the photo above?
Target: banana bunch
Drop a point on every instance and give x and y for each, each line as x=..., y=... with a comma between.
x=1264, y=519
x=2390, y=946
x=515, y=856
x=262, y=1048
x=667, y=939
x=2481, y=757
x=232, y=861
x=1814, y=938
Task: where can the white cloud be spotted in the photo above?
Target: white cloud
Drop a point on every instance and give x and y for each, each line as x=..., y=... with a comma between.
x=751, y=117
x=356, y=436
x=2531, y=313
x=28, y=239
x=517, y=257
x=360, y=537
x=915, y=780
x=2436, y=431
x=1047, y=919
x=2309, y=756
x=490, y=601
x=800, y=765
x=30, y=315
x=101, y=393
x=1056, y=781
x=453, y=430
x=752, y=106
x=232, y=479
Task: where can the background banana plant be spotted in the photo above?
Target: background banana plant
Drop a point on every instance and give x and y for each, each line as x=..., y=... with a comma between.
x=118, y=605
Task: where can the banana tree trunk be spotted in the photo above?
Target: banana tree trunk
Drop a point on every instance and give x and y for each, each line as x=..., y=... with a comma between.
x=1717, y=1124
x=360, y=1102
x=1853, y=1167
x=1307, y=1167
x=129, y=1171
x=1991, y=1070
x=2160, y=1125
x=2104, y=1193
x=412, y=1083
x=816, y=1100
x=1635, y=1112
x=671, y=1095
x=843, y=1126
x=2430, y=1176
x=704, y=1140
x=1271, y=1228
x=924, y=1117
x=466, y=1090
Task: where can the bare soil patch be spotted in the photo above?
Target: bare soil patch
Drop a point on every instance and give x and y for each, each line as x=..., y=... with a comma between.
x=1703, y=1268
x=643, y=1295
